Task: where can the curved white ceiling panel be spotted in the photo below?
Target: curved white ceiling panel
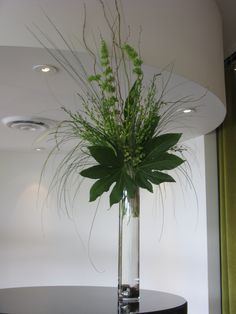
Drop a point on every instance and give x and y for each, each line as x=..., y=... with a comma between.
x=185, y=33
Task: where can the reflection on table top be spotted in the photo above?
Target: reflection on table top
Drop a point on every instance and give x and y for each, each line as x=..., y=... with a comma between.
x=84, y=300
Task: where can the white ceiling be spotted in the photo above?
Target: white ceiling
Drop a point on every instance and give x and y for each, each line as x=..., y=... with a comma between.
x=27, y=93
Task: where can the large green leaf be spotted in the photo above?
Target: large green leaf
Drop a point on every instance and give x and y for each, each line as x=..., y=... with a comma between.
x=97, y=172
x=105, y=156
x=102, y=185
x=124, y=182
x=117, y=191
x=161, y=144
x=157, y=177
x=145, y=178
x=111, y=169
x=164, y=161
x=142, y=181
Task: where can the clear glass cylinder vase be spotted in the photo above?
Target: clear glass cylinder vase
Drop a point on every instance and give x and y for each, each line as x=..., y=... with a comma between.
x=128, y=260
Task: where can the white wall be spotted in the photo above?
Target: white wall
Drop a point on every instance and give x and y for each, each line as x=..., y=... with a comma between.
x=43, y=247
x=212, y=224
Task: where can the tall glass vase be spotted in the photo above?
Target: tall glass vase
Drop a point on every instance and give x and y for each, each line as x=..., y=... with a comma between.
x=128, y=263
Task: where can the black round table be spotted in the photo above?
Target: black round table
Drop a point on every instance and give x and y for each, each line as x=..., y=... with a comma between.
x=85, y=300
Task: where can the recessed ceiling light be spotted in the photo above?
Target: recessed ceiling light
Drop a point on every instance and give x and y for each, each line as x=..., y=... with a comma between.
x=188, y=110
x=39, y=149
x=45, y=68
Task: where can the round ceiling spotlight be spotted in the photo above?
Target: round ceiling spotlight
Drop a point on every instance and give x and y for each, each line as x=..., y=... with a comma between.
x=30, y=124
x=45, y=68
x=188, y=110
x=39, y=149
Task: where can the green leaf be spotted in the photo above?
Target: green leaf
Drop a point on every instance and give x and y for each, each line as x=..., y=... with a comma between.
x=131, y=52
x=143, y=177
x=117, y=191
x=123, y=183
x=137, y=70
x=153, y=125
x=164, y=161
x=132, y=98
x=97, y=172
x=101, y=186
x=105, y=156
x=157, y=177
x=162, y=143
x=142, y=181
x=104, y=50
x=96, y=77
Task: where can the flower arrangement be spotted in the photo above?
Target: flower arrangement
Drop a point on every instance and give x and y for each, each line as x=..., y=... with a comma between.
x=120, y=126
x=123, y=135
x=119, y=135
